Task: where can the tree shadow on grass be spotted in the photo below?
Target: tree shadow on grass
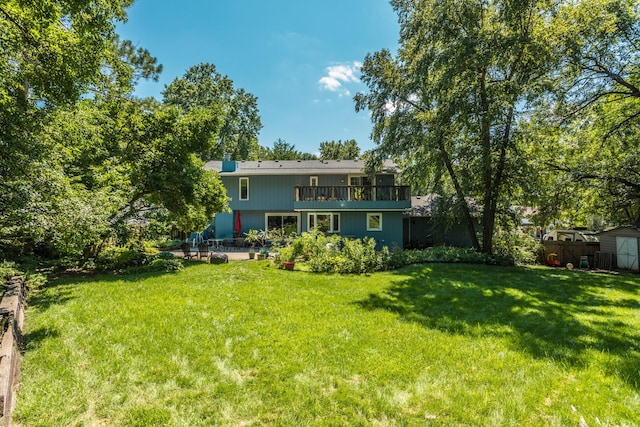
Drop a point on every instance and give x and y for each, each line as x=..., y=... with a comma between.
x=547, y=313
x=32, y=340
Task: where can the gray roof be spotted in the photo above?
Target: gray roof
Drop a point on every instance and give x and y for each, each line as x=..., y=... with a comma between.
x=298, y=167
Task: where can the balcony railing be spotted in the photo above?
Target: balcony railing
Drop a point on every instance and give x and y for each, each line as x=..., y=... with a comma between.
x=394, y=193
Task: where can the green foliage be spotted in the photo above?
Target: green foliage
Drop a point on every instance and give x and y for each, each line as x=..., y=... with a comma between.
x=164, y=244
x=585, y=152
x=130, y=260
x=164, y=255
x=120, y=258
x=517, y=245
x=52, y=52
x=258, y=237
x=335, y=254
x=203, y=87
x=8, y=269
x=443, y=254
x=77, y=170
x=447, y=106
x=282, y=150
x=340, y=150
x=158, y=264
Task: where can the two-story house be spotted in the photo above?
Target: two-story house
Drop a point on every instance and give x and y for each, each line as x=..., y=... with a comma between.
x=298, y=195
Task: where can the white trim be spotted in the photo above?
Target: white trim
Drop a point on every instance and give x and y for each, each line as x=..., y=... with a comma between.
x=268, y=214
x=312, y=179
x=369, y=216
x=331, y=214
x=240, y=179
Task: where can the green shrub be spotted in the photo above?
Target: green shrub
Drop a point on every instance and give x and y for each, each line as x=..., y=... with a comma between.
x=164, y=255
x=158, y=264
x=516, y=245
x=166, y=244
x=335, y=254
x=116, y=258
x=8, y=269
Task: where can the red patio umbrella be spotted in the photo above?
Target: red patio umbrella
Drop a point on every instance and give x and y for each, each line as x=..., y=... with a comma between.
x=238, y=226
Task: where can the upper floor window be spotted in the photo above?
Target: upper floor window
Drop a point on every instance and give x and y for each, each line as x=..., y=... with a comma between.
x=244, y=188
x=313, y=181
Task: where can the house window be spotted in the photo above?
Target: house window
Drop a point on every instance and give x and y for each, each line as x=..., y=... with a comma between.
x=244, y=188
x=313, y=181
x=283, y=221
x=374, y=222
x=326, y=222
x=359, y=180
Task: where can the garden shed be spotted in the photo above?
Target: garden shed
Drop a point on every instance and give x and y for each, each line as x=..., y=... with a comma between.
x=623, y=243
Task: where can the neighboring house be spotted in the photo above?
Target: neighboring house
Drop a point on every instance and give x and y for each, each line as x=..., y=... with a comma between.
x=623, y=243
x=297, y=195
x=423, y=225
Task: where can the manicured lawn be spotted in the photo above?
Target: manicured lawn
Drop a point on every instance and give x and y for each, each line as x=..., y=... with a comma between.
x=247, y=344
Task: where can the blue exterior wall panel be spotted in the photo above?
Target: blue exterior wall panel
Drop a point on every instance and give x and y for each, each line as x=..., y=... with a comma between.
x=276, y=194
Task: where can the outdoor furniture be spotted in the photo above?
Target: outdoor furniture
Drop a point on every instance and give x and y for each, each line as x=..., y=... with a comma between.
x=186, y=250
x=203, y=251
x=216, y=244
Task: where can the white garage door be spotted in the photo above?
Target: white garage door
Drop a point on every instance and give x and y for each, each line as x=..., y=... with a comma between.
x=627, y=252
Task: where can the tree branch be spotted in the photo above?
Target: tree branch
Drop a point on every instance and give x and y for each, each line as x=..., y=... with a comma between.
x=601, y=69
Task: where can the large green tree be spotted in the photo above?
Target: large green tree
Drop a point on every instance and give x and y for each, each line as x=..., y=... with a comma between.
x=203, y=86
x=282, y=150
x=135, y=157
x=448, y=105
x=72, y=172
x=596, y=107
x=339, y=150
x=51, y=52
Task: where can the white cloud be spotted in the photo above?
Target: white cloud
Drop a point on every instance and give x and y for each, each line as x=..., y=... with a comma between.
x=339, y=75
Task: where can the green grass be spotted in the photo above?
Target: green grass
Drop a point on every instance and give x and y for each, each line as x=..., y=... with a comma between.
x=247, y=344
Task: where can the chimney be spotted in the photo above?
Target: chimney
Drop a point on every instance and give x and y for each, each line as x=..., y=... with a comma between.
x=228, y=165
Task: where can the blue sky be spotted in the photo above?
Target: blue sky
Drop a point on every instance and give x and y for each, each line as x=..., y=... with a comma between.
x=300, y=58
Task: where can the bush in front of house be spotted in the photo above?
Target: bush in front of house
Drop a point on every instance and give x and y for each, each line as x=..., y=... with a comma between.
x=442, y=254
x=335, y=254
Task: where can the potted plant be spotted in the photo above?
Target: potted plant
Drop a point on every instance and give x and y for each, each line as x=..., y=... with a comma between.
x=289, y=253
x=260, y=237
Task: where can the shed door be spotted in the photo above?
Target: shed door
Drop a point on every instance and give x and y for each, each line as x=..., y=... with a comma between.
x=627, y=252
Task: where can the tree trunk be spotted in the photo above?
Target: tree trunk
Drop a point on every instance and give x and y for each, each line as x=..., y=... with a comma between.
x=488, y=210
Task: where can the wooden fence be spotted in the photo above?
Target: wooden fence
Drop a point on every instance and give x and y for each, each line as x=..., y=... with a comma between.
x=570, y=252
x=11, y=319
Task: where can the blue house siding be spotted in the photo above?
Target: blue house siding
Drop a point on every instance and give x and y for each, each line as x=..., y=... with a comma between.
x=272, y=189
x=354, y=224
x=225, y=222
x=261, y=192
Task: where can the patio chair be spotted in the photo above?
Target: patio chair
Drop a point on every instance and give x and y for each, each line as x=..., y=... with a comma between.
x=186, y=251
x=203, y=250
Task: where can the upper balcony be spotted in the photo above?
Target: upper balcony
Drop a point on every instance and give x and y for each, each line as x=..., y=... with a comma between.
x=360, y=197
